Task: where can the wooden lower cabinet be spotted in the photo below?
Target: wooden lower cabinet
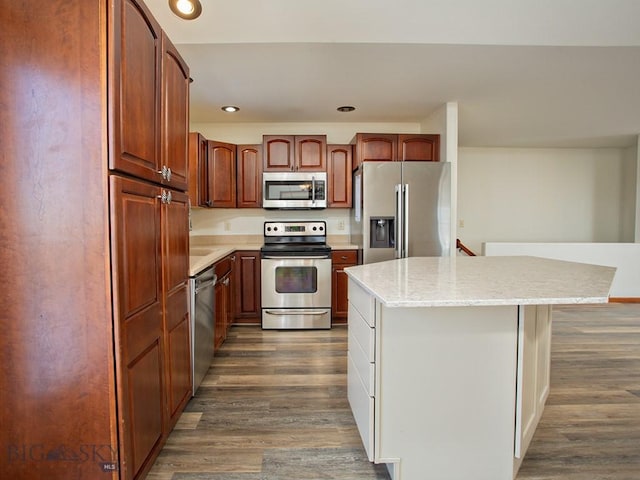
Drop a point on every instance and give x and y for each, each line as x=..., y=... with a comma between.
x=176, y=326
x=150, y=265
x=137, y=277
x=247, y=287
x=340, y=259
x=223, y=299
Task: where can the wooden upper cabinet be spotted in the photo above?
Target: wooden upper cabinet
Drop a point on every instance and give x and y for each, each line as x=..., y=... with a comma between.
x=310, y=153
x=290, y=153
x=339, y=158
x=221, y=174
x=135, y=90
x=198, y=184
x=391, y=147
x=249, y=173
x=421, y=147
x=375, y=147
x=278, y=153
x=175, y=116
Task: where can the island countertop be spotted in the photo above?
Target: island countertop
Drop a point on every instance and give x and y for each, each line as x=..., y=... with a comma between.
x=468, y=281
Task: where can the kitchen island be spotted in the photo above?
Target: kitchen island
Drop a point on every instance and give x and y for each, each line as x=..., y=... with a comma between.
x=448, y=362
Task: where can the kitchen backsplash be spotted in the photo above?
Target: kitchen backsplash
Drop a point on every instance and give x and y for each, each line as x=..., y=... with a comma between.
x=250, y=221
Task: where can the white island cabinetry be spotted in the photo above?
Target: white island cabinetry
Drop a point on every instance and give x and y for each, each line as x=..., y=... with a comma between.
x=448, y=361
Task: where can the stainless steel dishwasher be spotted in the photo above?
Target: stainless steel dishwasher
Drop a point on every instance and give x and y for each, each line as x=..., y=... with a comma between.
x=202, y=323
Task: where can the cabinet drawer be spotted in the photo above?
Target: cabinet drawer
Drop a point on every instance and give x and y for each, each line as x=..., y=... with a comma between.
x=361, y=332
x=363, y=302
x=223, y=267
x=362, y=406
x=344, y=256
x=366, y=370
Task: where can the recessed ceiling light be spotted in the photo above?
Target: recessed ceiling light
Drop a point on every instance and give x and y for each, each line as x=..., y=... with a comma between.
x=187, y=9
x=230, y=108
x=346, y=108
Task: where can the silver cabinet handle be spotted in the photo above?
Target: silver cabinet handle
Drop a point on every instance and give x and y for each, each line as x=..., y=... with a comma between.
x=165, y=197
x=163, y=172
x=296, y=312
x=294, y=257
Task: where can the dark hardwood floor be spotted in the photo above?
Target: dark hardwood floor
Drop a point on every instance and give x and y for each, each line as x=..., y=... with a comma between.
x=274, y=407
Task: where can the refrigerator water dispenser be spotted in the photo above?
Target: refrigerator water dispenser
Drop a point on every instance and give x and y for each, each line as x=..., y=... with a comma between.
x=382, y=232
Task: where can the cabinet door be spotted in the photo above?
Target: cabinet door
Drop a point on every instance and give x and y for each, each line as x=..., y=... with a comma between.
x=340, y=259
x=135, y=87
x=423, y=147
x=175, y=115
x=175, y=267
x=311, y=153
x=247, y=287
x=220, y=331
x=136, y=250
x=339, y=175
x=249, y=170
x=223, y=269
x=221, y=174
x=278, y=153
x=198, y=185
x=375, y=147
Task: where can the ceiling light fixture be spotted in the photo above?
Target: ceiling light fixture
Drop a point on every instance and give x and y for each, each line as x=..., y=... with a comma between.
x=230, y=108
x=187, y=9
x=346, y=108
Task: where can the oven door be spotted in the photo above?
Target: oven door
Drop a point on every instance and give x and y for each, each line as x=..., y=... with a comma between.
x=296, y=292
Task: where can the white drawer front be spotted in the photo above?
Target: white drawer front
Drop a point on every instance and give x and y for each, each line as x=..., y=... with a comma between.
x=362, y=332
x=362, y=407
x=363, y=302
x=365, y=368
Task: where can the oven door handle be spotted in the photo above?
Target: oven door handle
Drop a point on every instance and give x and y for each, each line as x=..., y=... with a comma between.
x=297, y=312
x=294, y=257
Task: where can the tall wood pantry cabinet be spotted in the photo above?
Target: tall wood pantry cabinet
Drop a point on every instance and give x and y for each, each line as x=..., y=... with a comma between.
x=94, y=239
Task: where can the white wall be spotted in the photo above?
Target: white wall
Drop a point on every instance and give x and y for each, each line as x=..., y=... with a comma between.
x=445, y=122
x=637, y=164
x=544, y=195
x=625, y=257
x=249, y=221
x=631, y=203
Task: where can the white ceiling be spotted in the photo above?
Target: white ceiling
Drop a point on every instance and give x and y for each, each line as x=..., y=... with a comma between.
x=524, y=72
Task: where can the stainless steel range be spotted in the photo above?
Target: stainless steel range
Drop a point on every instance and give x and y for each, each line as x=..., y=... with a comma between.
x=296, y=276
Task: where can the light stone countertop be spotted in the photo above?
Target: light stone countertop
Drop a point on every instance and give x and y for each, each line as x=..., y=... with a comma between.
x=470, y=281
x=203, y=254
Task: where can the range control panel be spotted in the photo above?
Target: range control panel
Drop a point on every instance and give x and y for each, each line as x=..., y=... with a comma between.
x=295, y=229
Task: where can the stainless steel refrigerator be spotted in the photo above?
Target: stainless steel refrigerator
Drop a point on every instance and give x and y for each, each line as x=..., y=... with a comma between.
x=401, y=209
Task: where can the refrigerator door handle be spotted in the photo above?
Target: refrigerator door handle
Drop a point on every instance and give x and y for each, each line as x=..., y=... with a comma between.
x=399, y=220
x=405, y=221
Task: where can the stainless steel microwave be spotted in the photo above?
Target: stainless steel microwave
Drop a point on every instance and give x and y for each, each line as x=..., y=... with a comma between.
x=294, y=190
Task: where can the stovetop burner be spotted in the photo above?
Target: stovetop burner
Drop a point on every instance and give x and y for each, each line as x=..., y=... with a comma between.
x=295, y=238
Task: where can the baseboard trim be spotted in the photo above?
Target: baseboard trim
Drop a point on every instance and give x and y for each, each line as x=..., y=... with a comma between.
x=624, y=299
